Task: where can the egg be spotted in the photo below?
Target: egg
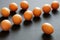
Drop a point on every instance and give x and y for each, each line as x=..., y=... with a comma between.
x=47, y=28
x=24, y=5
x=28, y=15
x=6, y=25
x=5, y=12
x=55, y=5
x=46, y=8
x=13, y=6
x=17, y=19
x=37, y=11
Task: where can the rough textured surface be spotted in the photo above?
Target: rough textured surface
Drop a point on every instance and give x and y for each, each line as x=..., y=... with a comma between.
x=31, y=30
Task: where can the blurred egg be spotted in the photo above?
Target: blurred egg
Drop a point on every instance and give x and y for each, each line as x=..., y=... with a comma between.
x=47, y=28
x=28, y=15
x=13, y=6
x=24, y=5
x=17, y=19
x=55, y=5
x=37, y=11
x=5, y=12
x=6, y=25
x=46, y=8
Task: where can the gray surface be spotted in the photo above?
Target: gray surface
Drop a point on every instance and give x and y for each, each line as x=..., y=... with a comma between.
x=32, y=30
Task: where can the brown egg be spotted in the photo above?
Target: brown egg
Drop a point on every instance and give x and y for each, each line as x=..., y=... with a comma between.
x=5, y=12
x=6, y=25
x=37, y=11
x=13, y=6
x=55, y=5
x=47, y=28
x=28, y=15
x=24, y=5
x=46, y=8
x=17, y=19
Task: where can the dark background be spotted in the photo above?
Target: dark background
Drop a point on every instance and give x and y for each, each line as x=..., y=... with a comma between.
x=31, y=30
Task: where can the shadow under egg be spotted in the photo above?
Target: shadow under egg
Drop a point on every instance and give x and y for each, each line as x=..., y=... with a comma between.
x=36, y=19
x=15, y=27
x=2, y=18
x=46, y=37
x=4, y=34
x=46, y=15
x=27, y=23
x=12, y=13
x=22, y=11
x=55, y=11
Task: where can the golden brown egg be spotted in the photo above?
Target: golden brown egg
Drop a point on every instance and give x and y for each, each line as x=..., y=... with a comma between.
x=47, y=28
x=17, y=19
x=37, y=11
x=28, y=15
x=24, y=5
x=13, y=6
x=6, y=25
x=46, y=8
x=55, y=5
x=5, y=12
